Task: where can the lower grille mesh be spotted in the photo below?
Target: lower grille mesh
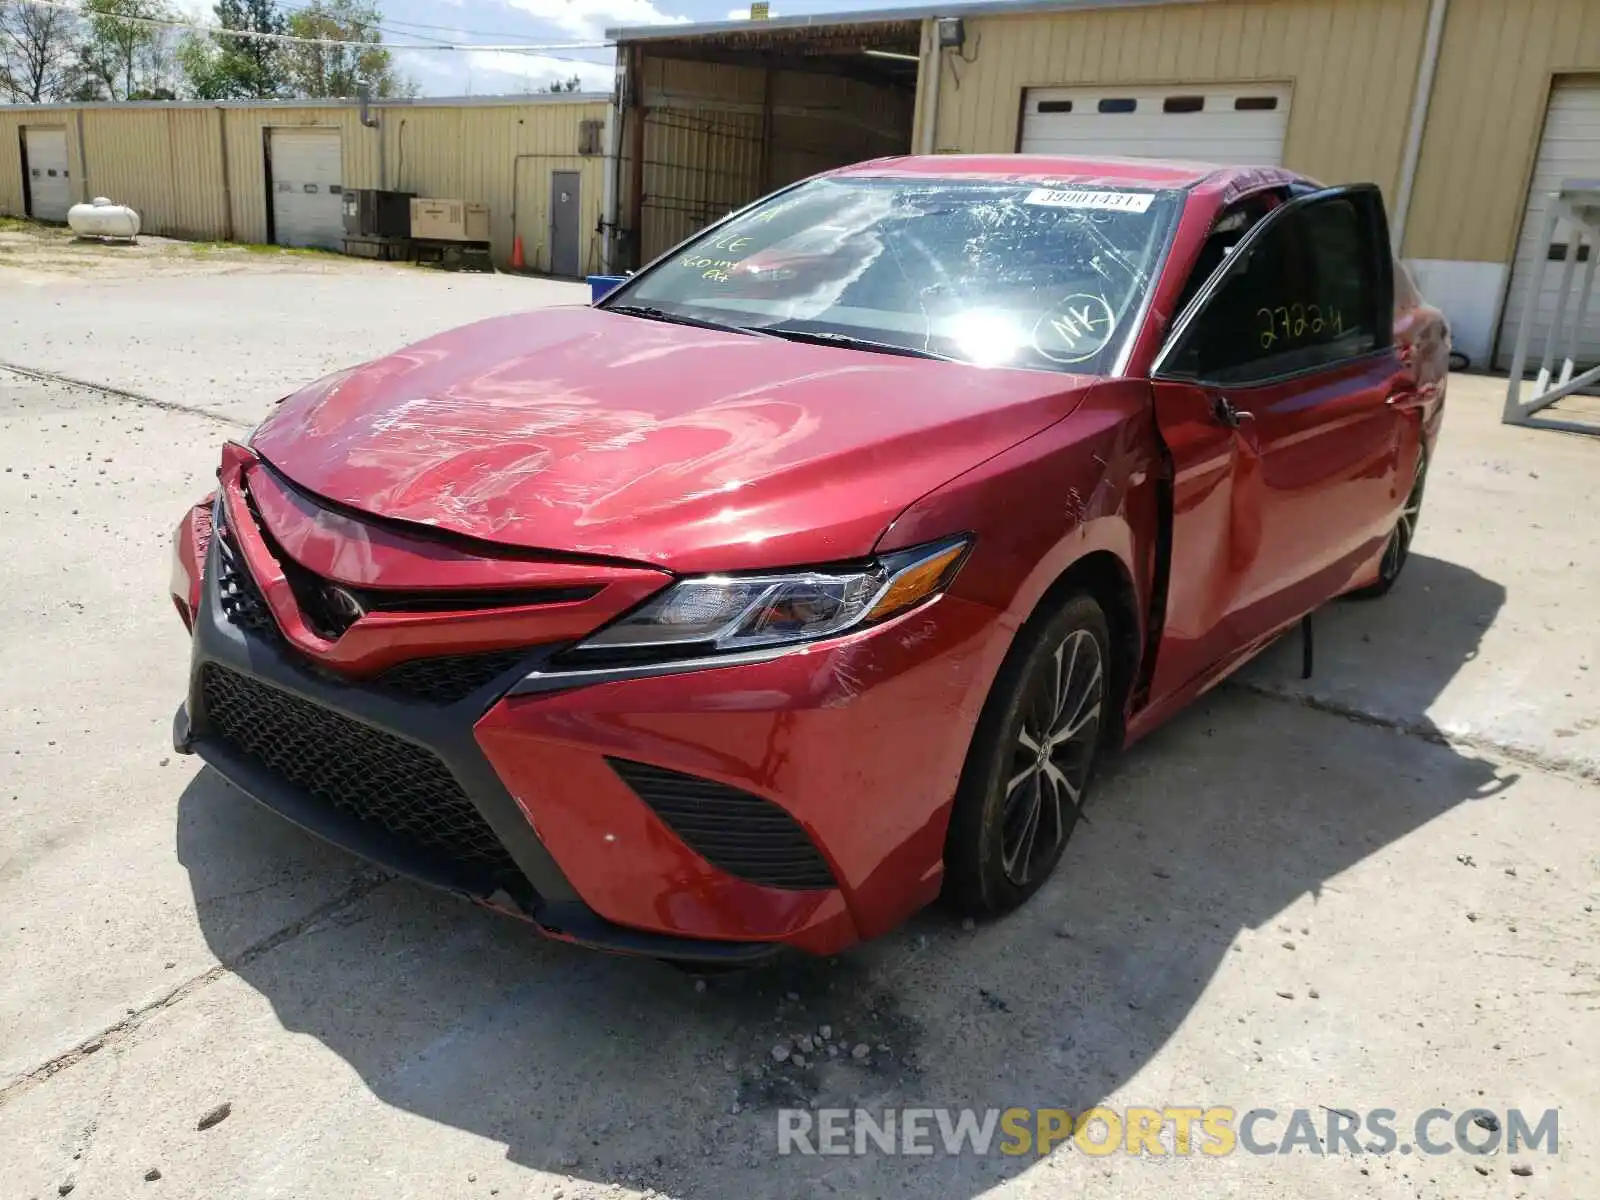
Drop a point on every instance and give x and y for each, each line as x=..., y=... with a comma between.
x=742, y=833
x=446, y=679
x=368, y=774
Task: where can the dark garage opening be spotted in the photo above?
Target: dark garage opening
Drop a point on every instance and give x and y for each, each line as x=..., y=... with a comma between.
x=715, y=119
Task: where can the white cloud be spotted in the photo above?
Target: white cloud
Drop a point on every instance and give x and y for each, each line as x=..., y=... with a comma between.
x=583, y=20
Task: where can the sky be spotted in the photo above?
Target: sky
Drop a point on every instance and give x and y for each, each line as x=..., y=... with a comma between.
x=542, y=22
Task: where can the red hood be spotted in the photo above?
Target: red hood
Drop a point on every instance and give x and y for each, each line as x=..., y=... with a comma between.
x=579, y=430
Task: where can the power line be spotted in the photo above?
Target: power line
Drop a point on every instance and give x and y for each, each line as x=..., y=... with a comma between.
x=397, y=26
x=291, y=39
x=386, y=26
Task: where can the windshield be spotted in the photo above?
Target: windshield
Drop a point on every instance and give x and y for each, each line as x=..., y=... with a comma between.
x=993, y=273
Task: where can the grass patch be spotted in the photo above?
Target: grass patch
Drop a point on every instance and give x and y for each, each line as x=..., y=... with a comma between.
x=261, y=248
x=302, y=251
x=18, y=225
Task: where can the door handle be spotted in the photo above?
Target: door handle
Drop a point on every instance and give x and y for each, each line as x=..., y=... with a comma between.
x=1223, y=409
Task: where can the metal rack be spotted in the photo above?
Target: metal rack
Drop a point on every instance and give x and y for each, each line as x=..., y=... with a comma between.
x=1576, y=202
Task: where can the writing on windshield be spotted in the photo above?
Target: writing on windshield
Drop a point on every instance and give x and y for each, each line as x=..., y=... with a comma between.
x=1038, y=275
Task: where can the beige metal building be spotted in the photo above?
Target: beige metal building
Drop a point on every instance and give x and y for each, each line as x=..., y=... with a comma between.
x=276, y=172
x=1465, y=111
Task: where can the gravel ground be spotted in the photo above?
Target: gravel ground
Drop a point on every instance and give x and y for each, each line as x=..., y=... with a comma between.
x=1371, y=890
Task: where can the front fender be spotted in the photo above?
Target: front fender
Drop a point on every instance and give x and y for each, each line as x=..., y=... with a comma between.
x=1087, y=484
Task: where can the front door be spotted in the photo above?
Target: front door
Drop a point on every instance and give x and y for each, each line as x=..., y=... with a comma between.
x=566, y=234
x=1276, y=399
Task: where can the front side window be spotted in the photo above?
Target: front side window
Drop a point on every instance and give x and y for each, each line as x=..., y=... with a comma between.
x=1307, y=294
x=992, y=273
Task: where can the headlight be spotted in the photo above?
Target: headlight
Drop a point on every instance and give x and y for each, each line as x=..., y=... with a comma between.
x=717, y=613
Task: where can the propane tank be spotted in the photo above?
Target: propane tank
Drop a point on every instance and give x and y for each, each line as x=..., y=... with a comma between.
x=103, y=219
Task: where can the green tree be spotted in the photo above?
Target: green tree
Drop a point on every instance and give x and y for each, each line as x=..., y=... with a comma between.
x=332, y=72
x=218, y=67
x=561, y=85
x=125, y=58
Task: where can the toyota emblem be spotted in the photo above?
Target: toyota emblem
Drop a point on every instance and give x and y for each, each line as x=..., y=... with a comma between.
x=342, y=605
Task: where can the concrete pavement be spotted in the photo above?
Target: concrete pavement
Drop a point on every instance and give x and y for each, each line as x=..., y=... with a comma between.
x=1275, y=905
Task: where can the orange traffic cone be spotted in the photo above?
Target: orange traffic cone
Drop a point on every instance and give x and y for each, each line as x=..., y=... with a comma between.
x=518, y=263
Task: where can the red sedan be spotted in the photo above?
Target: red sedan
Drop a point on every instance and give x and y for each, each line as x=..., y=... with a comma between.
x=808, y=575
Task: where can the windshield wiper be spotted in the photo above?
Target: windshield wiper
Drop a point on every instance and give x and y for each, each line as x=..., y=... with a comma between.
x=850, y=342
x=650, y=313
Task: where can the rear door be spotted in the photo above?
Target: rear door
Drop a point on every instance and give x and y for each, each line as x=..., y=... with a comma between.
x=1279, y=396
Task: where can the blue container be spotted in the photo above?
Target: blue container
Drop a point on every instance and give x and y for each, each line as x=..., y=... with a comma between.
x=599, y=285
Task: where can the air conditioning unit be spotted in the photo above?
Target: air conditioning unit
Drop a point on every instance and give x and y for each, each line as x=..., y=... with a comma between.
x=370, y=213
x=449, y=221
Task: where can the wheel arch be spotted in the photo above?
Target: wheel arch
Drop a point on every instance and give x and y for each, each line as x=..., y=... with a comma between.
x=1103, y=575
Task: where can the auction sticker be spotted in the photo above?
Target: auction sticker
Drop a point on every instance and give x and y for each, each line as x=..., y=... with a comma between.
x=1133, y=202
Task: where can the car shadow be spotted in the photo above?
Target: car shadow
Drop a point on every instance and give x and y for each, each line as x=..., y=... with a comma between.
x=1388, y=659
x=615, y=1070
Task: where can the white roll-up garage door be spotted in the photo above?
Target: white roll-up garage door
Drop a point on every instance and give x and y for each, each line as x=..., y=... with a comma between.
x=1570, y=149
x=49, y=179
x=1223, y=123
x=307, y=178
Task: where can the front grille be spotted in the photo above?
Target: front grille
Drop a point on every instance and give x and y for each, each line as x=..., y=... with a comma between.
x=373, y=776
x=445, y=679
x=440, y=679
x=743, y=834
x=237, y=592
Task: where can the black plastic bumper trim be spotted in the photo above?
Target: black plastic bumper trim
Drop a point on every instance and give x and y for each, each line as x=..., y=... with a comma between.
x=328, y=823
x=582, y=926
x=443, y=730
x=550, y=901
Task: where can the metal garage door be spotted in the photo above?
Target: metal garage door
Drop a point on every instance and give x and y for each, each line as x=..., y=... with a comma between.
x=307, y=173
x=1224, y=123
x=1570, y=149
x=49, y=180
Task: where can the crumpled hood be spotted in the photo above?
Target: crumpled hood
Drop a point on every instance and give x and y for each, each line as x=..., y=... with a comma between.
x=583, y=431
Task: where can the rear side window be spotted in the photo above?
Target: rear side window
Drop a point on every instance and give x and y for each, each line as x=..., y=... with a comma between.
x=1309, y=293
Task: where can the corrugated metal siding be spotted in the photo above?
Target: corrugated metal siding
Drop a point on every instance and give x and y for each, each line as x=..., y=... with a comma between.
x=247, y=154
x=163, y=162
x=702, y=146
x=167, y=162
x=1352, y=65
x=11, y=126
x=501, y=157
x=1496, y=63
x=823, y=121
x=11, y=161
x=703, y=151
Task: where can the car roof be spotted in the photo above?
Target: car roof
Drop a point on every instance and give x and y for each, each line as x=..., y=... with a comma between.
x=1060, y=168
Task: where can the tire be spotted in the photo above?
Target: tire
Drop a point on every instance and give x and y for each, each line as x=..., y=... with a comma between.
x=1057, y=677
x=1398, y=551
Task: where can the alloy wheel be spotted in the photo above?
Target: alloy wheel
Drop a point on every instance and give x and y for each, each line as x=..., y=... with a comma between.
x=1399, y=548
x=1052, y=757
